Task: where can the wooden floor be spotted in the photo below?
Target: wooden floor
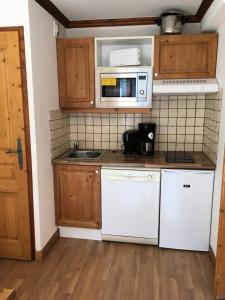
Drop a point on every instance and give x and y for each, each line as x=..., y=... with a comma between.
x=90, y=270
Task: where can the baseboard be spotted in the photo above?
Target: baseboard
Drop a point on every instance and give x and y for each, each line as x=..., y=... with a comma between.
x=80, y=233
x=40, y=255
x=212, y=256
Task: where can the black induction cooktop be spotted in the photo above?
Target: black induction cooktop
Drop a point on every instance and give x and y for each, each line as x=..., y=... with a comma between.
x=178, y=157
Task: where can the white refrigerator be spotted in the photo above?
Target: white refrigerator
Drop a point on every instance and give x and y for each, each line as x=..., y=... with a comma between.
x=185, y=209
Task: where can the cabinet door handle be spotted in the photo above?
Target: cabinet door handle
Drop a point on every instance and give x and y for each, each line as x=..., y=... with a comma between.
x=92, y=102
x=156, y=74
x=96, y=172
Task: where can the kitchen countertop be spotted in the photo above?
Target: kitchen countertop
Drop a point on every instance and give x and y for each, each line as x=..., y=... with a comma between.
x=118, y=159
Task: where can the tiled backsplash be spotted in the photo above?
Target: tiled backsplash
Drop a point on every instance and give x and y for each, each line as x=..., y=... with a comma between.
x=179, y=125
x=212, y=125
x=60, y=132
x=179, y=120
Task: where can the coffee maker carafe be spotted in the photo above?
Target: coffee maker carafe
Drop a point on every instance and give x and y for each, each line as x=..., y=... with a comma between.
x=146, y=138
x=130, y=141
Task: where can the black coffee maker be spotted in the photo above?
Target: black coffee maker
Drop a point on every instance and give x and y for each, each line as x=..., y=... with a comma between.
x=146, y=138
x=130, y=138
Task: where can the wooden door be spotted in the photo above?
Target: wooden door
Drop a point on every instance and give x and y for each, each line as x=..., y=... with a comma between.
x=220, y=257
x=15, y=231
x=185, y=56
x=76, y=72
x=77, y=196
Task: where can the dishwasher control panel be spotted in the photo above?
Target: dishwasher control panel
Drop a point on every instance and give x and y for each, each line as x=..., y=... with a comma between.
x=141, y=175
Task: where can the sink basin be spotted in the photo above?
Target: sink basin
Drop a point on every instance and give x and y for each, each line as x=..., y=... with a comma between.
x=79, y=154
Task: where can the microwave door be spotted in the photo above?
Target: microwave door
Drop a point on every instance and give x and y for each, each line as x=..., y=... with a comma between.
x=123, y=88
x=118, y=89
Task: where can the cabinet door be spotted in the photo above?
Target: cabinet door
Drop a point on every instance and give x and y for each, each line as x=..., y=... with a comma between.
x=77, y=196
x=185, y=56
x=76, y=72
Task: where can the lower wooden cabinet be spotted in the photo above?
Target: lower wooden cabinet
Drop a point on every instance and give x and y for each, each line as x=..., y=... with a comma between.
x=77, y=196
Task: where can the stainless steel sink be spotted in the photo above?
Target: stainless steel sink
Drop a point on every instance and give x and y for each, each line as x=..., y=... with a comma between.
x=80, y=154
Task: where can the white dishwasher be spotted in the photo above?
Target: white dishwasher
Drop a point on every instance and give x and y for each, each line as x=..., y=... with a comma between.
x=130, y=205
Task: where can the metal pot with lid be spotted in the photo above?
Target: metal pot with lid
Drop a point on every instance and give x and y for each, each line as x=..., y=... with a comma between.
x=171, y=22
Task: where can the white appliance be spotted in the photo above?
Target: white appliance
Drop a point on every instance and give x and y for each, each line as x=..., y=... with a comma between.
x=123, y=87
x=185, y=86
x=130, y=205
x=125, y=57
x=185, y=213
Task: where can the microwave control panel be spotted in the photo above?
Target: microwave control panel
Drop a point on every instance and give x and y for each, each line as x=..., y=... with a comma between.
x=142, y=86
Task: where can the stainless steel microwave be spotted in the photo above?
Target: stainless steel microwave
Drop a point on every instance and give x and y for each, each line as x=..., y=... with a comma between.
x=120, y=87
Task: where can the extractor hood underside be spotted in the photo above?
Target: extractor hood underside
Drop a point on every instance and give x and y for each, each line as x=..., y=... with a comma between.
x=185, y=86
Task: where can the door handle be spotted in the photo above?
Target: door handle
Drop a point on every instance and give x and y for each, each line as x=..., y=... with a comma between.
x=19, y=152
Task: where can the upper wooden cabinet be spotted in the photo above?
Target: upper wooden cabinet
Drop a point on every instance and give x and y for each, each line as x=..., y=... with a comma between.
x=77, y=196
x=76, y=72
x=185, y=56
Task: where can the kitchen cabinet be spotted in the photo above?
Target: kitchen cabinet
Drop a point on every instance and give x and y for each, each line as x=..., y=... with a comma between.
x=185, y=56
x=77, y=196
x=76, y=72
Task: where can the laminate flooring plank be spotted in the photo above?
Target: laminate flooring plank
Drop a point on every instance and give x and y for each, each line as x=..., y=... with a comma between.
x=91, y=270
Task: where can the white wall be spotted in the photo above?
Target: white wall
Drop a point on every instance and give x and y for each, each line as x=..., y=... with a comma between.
x=13, y=13
x=45, y=98
x=124, y=31
x=214, y=20
x=42, y=84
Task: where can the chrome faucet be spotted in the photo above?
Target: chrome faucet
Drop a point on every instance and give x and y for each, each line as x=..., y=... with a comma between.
x=76, y=146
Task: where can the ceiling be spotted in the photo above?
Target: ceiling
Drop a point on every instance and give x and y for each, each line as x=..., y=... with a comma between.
x=114, y=9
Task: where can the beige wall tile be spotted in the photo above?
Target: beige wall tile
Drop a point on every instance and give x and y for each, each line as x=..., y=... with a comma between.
x=172, y=147
x=212, y=124
x=113, y=129
x=89, y=145
x=189, y=138
x=182, y=103
x=180, y=147
x=105, y=145
x=182, y=113
x=97, y=129
x=105, y=121
x=97, y=145
x=163, y=121
x=97, y=121
x=181, y=130
x=172, y=121
x=179, y=125
x=173, y=103
x=113, y=121
x=181, y=122
x=105, y=129
x=190, y=130
x=172, y=138
x=190, y=113
x=191, y=103
x=97, y=137
x=180, y=139
x=172, y=130
x=105, y=137
x=89, y=137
